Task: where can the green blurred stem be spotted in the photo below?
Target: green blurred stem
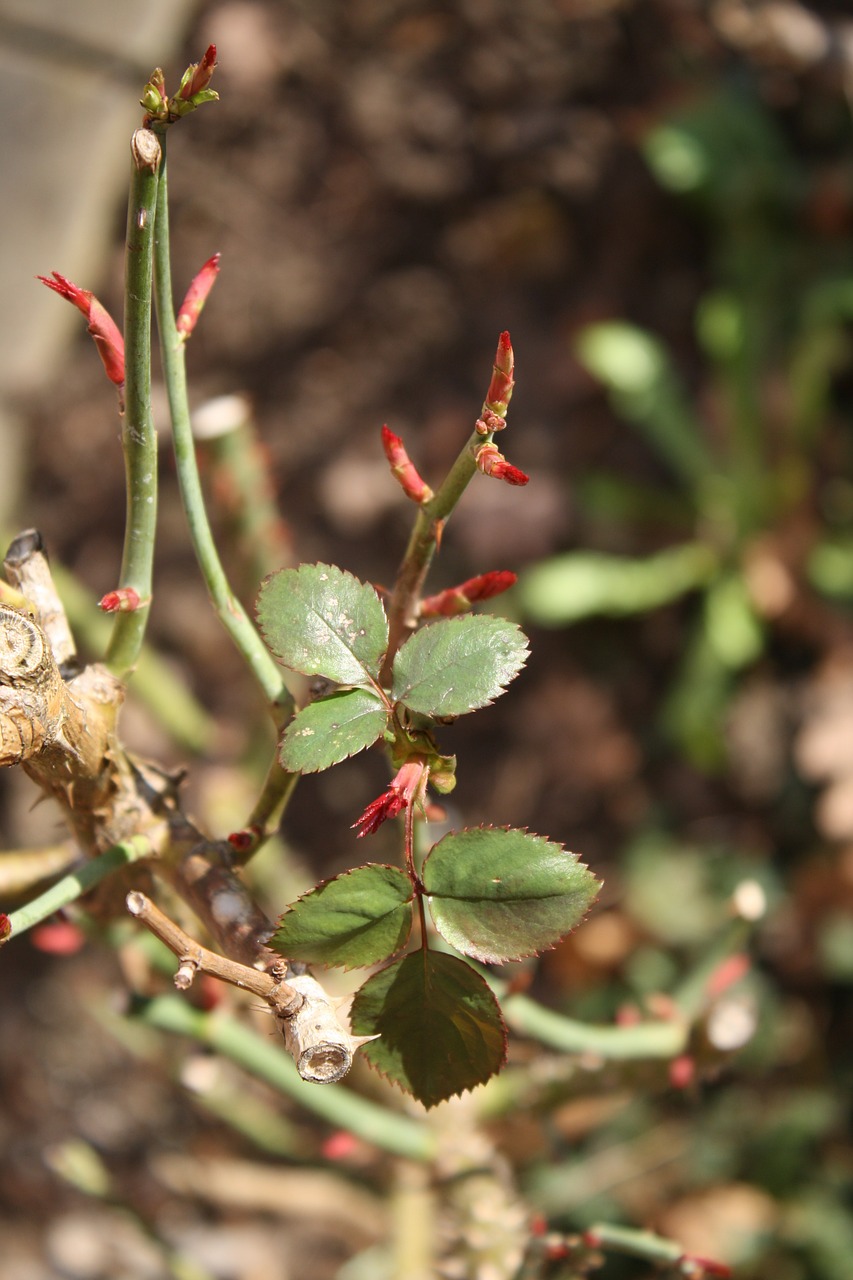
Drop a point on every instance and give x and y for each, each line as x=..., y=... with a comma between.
x=139, y=439
x=76, y=883
x=232, y=614
x=643, y=1040
x=263, y=1058
x=634, y=1243
x=267, y=813
x=656, y=1039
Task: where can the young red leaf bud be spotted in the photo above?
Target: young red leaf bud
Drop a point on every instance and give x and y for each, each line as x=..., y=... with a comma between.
x=403, y=469
x=196, y=297
x=197, y=75
x=500, y=388
x=5, y=928
x=123, y=600
x=246, y=840
x=405, y=789
x=455, y=600
x=489, y=422
x=492, y=463
x=102, y=327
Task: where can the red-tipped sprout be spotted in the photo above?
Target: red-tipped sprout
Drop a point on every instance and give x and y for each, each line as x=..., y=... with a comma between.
x=405, y=789
x=491, y=462
x=197, y=75
x=104, y=330
x=245, y=841
x=196, y=296
x=403, y=469
x=5, y=928
x=455, y=600
x=122, y=600
x=499, y=393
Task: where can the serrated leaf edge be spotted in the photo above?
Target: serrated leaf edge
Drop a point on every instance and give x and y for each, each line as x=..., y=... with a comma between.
x=463, y=619
x=457, y=1093
x=524, y=955
x=347, y=968
x=318, y=564
x=340, y=759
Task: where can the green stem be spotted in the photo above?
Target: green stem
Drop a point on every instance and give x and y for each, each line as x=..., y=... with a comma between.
x=72, y=886
x=139, y=439
x=231, y=613
x=643, y=1040
x=633, y=1242
x=394, y=1133
x=154, y=681
x=418, y=555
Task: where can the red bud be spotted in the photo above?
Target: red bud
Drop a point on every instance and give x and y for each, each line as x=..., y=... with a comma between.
x=5, y=928
x=197, y=293
x=403, y=469
x=492, y=463
x=123, y=600
x=455, y=600
x=197, y=75
x=245, y=840
x=102, y=327
x=406, y=788
x=500, y=388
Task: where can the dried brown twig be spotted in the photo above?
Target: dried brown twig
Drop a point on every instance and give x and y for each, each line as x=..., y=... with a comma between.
x=60, y=723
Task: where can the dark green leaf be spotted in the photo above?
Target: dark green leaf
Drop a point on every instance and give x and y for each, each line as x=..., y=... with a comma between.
x=321, y=621
x=499, y=895
x=458, y=664
x=331, y=729
x=440, y=1026
x=358, y=918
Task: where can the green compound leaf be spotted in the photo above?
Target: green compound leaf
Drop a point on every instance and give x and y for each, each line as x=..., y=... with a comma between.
x=457, y=665
x=499, y=895
x=321, y=621
x=440, y=1027
x=358, y=918
x=330, y=729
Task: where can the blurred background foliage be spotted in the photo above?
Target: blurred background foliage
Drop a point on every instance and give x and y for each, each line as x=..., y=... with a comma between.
x=656, y=198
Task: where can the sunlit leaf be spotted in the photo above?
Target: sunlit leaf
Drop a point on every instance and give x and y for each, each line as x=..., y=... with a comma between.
x=358, y=918
x=321, y=621
x=440, y=1027
x=331, y=729
x=498, y=894
x=458, y=664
